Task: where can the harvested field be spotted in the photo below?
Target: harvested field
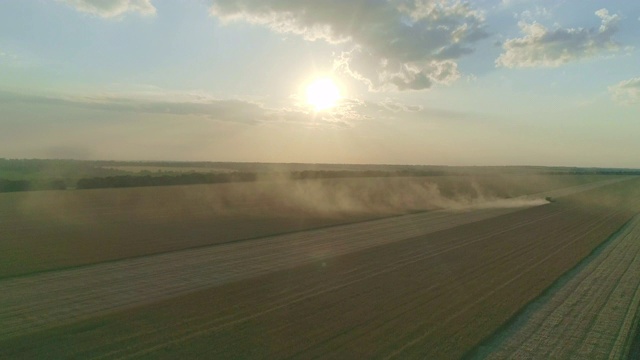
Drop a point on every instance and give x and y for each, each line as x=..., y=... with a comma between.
x=103, y=287
x=50, y=230
x=435, y=295
x=589, y=314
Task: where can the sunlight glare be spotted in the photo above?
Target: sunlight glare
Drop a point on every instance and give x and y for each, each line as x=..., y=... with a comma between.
x=323, y=94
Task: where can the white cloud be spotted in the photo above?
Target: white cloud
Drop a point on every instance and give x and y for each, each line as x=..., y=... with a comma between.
x=535, y=13
x=542, y=47
x=396, y=106
x=504, y=4
x=351, y=111
x=112, y=8
x=626, y=92
x=395, y=44
x=6, y=57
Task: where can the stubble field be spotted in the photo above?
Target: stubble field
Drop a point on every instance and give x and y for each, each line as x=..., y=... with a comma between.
x=424, y=285
x=46, y=230
x=589, y=314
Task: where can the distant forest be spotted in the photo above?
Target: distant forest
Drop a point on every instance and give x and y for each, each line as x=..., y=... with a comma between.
x=163, y=180
x=34, y=174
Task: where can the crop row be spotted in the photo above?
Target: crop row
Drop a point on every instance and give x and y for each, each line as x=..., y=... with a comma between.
x=591, y=315
x=431, y=296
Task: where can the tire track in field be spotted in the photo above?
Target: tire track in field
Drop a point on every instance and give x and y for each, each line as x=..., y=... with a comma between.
x=591, y=316
x=31, y=303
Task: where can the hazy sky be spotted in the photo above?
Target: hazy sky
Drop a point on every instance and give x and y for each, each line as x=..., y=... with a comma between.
x=422, y=81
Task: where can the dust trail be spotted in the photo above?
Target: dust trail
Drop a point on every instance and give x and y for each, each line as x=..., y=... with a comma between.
x=507, y=203
x=271, y=195
x=385, y=195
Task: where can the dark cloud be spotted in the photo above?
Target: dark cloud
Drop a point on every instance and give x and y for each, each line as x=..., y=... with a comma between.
x=396, y=44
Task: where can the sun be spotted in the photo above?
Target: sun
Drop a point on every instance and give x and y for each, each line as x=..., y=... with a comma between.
x=323, y=94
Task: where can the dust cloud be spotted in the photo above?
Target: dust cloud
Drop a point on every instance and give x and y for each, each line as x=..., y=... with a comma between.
x=270, y=196
x=387, y=195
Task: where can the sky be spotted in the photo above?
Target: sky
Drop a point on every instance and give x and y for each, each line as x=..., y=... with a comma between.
x=432, y=82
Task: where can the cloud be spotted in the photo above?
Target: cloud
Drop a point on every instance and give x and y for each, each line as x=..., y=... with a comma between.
x=626, y=92
x=508, y=3
x=391, y=109
x=346, y=113
x=535, y=13
x=11, y=59
x=542, y=47
x=394, y=44
x=232, y=110
x=112, y=8
x=395, y=106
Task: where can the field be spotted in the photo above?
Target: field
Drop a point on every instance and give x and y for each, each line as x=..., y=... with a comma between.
x=45, y=230
x=589, y=314
x=328, y=269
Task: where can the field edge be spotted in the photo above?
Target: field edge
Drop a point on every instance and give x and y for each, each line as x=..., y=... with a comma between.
x=519, y=319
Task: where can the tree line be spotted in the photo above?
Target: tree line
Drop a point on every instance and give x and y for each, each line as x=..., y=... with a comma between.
x=26, y=185
x=121, y=181
x=192, y=178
